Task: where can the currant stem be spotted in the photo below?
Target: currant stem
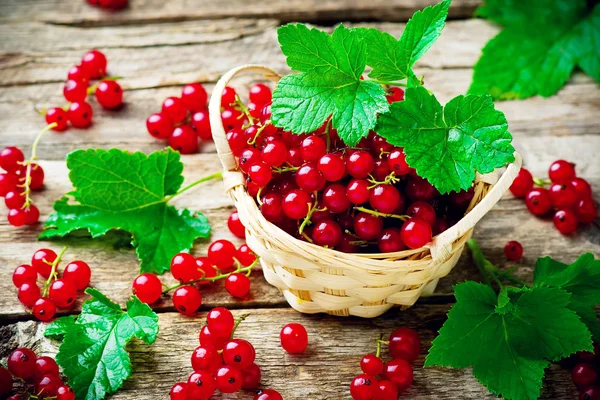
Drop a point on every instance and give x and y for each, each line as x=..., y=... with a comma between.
x=280, y=170
x=53, y=274
x=389, y=83
x=311, y=209
x=216, y=175
x=242, y=107
x=391, y=178
x=33, y=158
x=541, y=182
x=380, y=214
x=379, y=343
x=258, y=132
x=238, y=321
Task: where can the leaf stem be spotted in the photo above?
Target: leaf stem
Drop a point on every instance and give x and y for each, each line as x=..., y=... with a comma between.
x=216, y=175
x=53, y=275
x=479, y=260
x=488, y=269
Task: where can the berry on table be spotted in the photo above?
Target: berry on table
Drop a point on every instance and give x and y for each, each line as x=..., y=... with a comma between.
x=238, y=285
x=229, y=379
x=45, y=365
x=513, y=250
x=405, y=343
x=21, y=363
x=147, y=288
x=6, y=382
x=386, y=391
x=184, y=139
x=251, y=377
x=187, y=300
x=42, y=261
x=109, y=94
x=207, y=338
x=94, y=64
x=11, y=158
x=239, y=353
x=75, y=90
x=220, y=321
x=8, y=183
x=563, y=195
x=201, y=123
x=17, y=217
x=184, y=268
x=400, y=373
x=179, y=391
x=561, y=172
x=245, y=255
x=294, y=338
x=44, y=309
x=174, y=108
x=160, y=126
x=201, y=385
x=194, y=97
x=77, y=73
x=565, y=221
x=586, y=210
x=28, y=294
x=235, y=225
x=63, y=292
x=582, y=187
x=371, y=365
x=268, y=394
x=79, y=273
x=206, y=358
x=58, y=116
x=80, y=114
x=221, y=253
x=23, y=274
x=363, y=387
x=538, y=201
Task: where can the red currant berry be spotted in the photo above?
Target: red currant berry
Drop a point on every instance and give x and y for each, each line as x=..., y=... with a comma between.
x=24, y=274
x=439, y=226
x=229, y=379
x=400, y=373
x=36, y=174
x=206, y=269
x=32, y=215
x=45, y=365
x=80, y=114
x=221, y=253
x=296, y=204
x=335, y=198
x=260, y=94
x=184, y=139
x=363, y=387
x=294, y=157
x=462, y=199
x=309, y=178
x=313, y=148
x=565, y=221
x=59, y=116
x=274, y=153
x=109, y=94
x=582, y=187
x=194, y=97
x=63, y=292
x=561, y=172
x=538, y=201
x=360, y=164
x=47, y=386
x=238, y=285
x=174, y=108
x=79, y=273
x=228, y=97
x=294, y=338
x=251, y=377
x=358, y=191
x=563, y=196
x=14, y=199
x=584, y=374
x=327, y=233
x=94, y=64
x=367, y=227
x=268, y=394
x=77, y=73
x=237, y=141
x=220, y=321
x=245, y=255
x=232, y=119
x=397, y=162
x=29, y=293
x=209, y=339
x=371, y=365
x=75, y=90
x=17, y=217
x=386, y=391
x=387, y=199
x=265, y=114
x=201, y=123
x=159, y=126
x=200, y=385
x=249, y=157
x=206, y=358
x=420, y=189
x=260, y=173
x=405, y=344
x=235, y=225
x=381, y=170
x=11, y=158
x=44, y=309
x=380, y=146
x=147, y=288
x=42, y=261
x=239, y=353
x=513, y=250
x=422, y=210
x=332, y=166
x=187, y=300
x=390, y=241
x=21, y=363
x=8, y=183
x=6, y=383
x=179, y=391
x=586, y=210
x=395, y=94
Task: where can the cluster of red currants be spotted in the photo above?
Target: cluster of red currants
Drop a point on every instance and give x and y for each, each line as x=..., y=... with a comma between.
x=584, y=368
x=183, y=121
x=77, y=87
x=224, y=262
x=55, y=292
x=360, y=199
x=221, y=362
x=109, y=4
x=569, y=197
x=404, y=346
x=16, y=183
x=40, y=374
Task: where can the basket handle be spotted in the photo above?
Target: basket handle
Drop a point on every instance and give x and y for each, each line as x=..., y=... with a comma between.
x=442, y=244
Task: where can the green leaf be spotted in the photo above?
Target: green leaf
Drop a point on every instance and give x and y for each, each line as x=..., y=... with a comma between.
x=519, y=62
x=392, y=59
x=581, y=279
x=508, y=351
x=59, y=327
x=447, y=145
x=116, y=189
x=329, y=83
x=92, y=354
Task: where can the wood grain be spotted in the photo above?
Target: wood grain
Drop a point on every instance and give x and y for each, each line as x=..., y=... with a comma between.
x=323, y=371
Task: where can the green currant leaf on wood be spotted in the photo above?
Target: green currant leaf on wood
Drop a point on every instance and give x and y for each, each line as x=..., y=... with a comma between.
x=508, y=341
x=447, y=145
x=520, y=62
x=329, y=83
x=115, y=189
x=92, y=353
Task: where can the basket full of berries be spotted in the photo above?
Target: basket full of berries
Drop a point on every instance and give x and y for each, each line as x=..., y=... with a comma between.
x=347, y=221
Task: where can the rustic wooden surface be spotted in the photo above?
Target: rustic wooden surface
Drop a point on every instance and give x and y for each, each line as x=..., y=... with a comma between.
x=157, y=46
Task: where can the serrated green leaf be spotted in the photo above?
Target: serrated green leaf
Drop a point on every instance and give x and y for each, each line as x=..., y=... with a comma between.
x=519, y=62
x=115, y=189
x=508, y=351
x=58, y=328
x=392, y=59
x=447, y=145
x=329, y=84
x=92, y=354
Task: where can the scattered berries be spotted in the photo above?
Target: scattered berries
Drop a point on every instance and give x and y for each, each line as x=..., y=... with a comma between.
x=513, y=250
x=294, y=338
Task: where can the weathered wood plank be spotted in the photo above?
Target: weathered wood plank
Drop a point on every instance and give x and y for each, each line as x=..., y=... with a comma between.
x=324, y=371
x=154, y=11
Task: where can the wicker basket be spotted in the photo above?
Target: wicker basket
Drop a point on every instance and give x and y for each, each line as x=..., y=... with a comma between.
x=314, y=279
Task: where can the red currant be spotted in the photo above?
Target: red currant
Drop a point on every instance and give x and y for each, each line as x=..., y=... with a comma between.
x=358, y=191
x=390, y=241
x=109, y=94
x=45, y=365
x=405, y=344
x=422, y=210
x=228, y=97
x=582, y=187
x=200, y=385
x=397, y=162
x=363, y=387
x=235, y=225
x=245, y=255
x=386, y=391
x=209, y=339
x=538, y=201
x=260, y=94
x=462, y=199
x=239, y=353
x=184, y=268
x=249, y=157
x=360, y=164
x=221, y=253
x=179, y=391
x=584, y=374
x=36, y=173
x=513, y=250
x=32, y=215
x=367, y=227
x=14, y=199
x=586, y=210
x=229, y=379
x=332, y=166
x=187, y=300
x=75, y=90
x=194, y=97
x=294, y=157
x=21, y=363
x=335, y=198
x=380, y=146
x=237, y=141
x=59, y=116
x=327, y=233
x=42, y=261
x=395, y=94
x=44, y=309
x=238, y=285
x=309, y=178
x=260, y=173
x=387, y=199
x=220, y=321
x=232, y=119
x=6, y=382
x=439, y=226
x=313, y=148
x=184, y=139
x=160, y=126
x=8, y=183
x=94, y=64
x=29, y=293
x=48, y=385
x=565, y=221
x=296, y=204
x=174, y=108
x=206, y=269
x=371, y=365
x=400, y=373
x=79, y=273
x=563, y=195
x=80, y=114
x=251, y=377
x=63, y=292
x=274, y=153
x=561, y=172
x=206, y=358
x=147, y=288
x=268, y=394
x=17, y=217
x=11, y=158
x=294, y=338
x=201, y=123
x=24, y=274
x=77, y=73
x=420, y=189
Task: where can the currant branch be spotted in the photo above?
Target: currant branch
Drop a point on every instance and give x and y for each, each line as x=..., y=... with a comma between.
x=53, y=275
x=29, y=165
x=380, y=214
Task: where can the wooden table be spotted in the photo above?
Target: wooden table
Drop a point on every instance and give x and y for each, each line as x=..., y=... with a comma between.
x=157, y=46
